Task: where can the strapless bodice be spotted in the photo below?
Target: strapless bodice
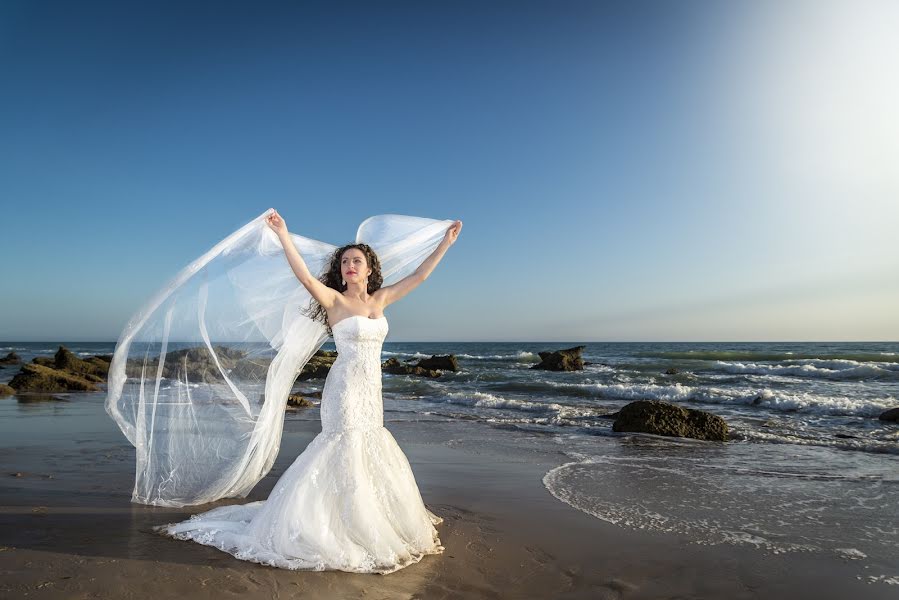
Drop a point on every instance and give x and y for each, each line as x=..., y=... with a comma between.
x=351, y=397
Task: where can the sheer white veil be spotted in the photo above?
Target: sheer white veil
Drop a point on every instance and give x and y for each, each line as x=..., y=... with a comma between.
x=200, y=375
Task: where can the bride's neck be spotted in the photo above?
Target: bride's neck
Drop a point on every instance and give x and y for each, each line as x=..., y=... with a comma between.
x=362, y=295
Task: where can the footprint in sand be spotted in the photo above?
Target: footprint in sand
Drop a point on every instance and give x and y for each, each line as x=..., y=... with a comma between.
x=540, y=555
x=479, y=549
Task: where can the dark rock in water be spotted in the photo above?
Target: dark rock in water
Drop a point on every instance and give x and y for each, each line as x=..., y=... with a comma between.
x=664, y=418
x=6, y=390
x=395, y=367
x=195, y=365
x=672, y=371
x=250, y=368
x=38, y=378
x=426, y=367
x=297, y=401
x=10, y=359
x=92, y=368
x=845, y=436
x=890, y=415
x=318, y=366
x=445, y=362
x=561, y=360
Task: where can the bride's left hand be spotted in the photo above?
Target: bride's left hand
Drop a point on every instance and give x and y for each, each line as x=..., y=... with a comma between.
x=452, y=233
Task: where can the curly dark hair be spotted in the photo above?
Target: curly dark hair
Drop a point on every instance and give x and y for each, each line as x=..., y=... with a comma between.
x=332, y=278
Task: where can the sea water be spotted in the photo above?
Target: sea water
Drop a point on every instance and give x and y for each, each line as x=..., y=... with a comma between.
x=808, y=467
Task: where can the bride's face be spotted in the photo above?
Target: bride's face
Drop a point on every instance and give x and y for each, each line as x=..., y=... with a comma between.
x=353, y=266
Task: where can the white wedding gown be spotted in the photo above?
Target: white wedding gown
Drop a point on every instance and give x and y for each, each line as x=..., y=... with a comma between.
x=349, y=501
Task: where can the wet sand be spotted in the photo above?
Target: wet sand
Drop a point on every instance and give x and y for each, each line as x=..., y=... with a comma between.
x=69, y=530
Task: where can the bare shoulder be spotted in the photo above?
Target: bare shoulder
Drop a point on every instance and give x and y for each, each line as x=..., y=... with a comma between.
x=326, y=296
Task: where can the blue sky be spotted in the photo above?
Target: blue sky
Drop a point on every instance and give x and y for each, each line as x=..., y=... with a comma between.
x=624, y=171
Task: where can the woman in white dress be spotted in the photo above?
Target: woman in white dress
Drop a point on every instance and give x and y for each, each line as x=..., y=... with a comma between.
x=349, y=501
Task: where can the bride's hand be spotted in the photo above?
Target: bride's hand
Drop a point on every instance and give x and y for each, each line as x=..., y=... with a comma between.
x=275, y=221
x=452, y=233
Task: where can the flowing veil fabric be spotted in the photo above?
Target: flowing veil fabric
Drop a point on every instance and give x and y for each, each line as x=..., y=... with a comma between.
x=200, y=375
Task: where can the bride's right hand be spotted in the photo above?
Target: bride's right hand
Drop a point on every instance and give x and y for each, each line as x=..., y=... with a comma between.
x=277, y=224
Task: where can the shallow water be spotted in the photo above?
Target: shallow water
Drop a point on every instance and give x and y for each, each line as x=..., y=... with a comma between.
x=809, y=467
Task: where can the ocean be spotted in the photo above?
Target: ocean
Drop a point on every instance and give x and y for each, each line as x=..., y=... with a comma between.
x=809, y=466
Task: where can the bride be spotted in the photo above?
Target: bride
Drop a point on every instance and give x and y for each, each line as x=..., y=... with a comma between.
x=349, y=501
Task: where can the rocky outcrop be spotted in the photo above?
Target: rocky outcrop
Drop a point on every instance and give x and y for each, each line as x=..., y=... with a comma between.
x=425, y=367
x=295, y=401
x=38, y=378
x=445, y=362
x=319, y=365
x=64, y=372
x=6, y=390
x=395, y=367
x=197, y=365
x=664, y=418
x=890, y=415
x=10, y=359
x=561, y=360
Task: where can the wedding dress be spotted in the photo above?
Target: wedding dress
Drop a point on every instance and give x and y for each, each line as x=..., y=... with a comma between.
x=199, y=382
x=349, y=501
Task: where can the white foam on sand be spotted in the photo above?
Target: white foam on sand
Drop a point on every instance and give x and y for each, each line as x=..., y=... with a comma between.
x=774, y=511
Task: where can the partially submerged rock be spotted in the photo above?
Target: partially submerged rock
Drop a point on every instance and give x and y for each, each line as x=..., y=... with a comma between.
x=664, y=418
x=197, y=365
x=38, y=378
x=10, y=359
x=64, y=372
x=319, y=365
x=890, y=415
x=425, y=367
x=561, y=360
x=446, y=362
x=395, y=367
x=297, y=401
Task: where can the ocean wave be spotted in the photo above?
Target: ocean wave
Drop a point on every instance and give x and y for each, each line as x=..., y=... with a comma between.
x=817, y=368
x=866, y=444
x=531, y=413
x=405, y=354
x=485, y=400
x=519, y=356
x=739, y=355
x=778, y=400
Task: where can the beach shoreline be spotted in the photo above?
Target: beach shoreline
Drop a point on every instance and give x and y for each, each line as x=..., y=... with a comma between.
x=70, y=530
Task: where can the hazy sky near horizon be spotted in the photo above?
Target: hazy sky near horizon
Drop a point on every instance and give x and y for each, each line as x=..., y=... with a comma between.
x=633, y=171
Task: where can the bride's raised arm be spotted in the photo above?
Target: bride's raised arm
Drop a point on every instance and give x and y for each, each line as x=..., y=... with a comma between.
x=323, y=294
x=391, y=293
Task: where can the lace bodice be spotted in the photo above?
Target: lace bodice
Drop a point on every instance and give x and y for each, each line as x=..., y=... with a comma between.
x=351, y=397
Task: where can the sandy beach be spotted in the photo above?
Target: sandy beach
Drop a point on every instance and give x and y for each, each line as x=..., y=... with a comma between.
x=69, y=529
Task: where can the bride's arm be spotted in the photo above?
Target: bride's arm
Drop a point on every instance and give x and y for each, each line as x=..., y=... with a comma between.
x=325, y=295
x=392, y=293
